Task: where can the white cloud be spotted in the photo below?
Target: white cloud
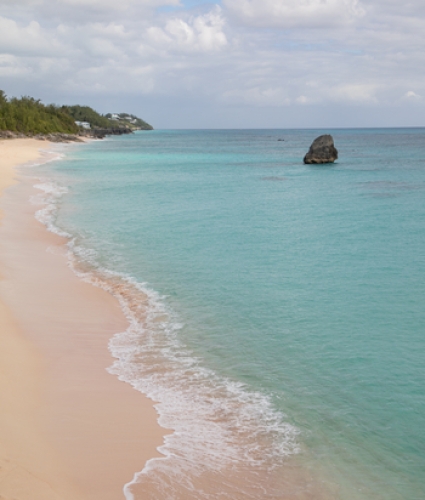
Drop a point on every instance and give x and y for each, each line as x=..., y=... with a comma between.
x=24, y=40
x=361, y=92
x=302, y=99
x=99, y=47
x=412, y=96
x=200, y=33
x=10, y=67
x=295, y=13
x=258, y=96
x=77, y=12
x=365, y=53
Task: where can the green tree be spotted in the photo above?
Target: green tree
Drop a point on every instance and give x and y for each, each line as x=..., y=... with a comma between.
x=31, y=116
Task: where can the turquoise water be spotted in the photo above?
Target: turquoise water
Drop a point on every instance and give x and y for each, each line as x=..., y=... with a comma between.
x=285, y=301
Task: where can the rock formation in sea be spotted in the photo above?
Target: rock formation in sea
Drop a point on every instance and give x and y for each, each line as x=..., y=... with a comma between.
x=322, y=150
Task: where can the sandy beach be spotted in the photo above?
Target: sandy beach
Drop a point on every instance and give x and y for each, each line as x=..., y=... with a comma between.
x=68, y=429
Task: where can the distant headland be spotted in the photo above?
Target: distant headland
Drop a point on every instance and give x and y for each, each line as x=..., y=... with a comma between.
x=29, y=117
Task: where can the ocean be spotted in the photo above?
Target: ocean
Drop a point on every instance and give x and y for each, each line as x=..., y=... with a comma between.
x=277, y=310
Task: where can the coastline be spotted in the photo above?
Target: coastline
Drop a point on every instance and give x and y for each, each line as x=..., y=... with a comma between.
x=71, y=429
x=134, y=231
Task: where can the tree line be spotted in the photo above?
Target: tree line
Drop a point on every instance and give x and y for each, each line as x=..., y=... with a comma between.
x=30, y=116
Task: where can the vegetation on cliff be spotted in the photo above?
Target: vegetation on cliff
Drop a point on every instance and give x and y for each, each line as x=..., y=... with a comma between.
x=132, y=121
x=87, y=114
x=110, y=120
x=30, y=116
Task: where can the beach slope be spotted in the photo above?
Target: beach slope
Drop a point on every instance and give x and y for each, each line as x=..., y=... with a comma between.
x=68, y=429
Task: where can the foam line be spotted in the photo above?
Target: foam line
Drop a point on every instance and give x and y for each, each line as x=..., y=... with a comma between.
x=216, y=422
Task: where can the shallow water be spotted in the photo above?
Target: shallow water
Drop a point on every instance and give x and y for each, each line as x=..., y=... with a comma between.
x=276, y=308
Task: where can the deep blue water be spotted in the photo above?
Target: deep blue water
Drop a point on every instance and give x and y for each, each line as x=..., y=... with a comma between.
x=306, y=284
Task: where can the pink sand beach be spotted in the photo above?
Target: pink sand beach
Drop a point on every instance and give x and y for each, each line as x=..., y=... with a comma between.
x=68, y=428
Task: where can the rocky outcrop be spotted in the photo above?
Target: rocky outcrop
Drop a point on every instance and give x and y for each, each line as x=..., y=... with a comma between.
x=55, y=137
x=100, y=133
x=7, y=134
x=95, y=133
x=322, y=150
x=59, y=137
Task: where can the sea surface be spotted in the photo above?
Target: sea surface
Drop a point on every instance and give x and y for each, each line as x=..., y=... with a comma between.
x=277, y=310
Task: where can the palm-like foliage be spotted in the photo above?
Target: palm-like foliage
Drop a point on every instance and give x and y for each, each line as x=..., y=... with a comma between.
x=29, y=116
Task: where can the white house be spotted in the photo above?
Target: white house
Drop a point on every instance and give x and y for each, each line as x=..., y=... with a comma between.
x=85, y=125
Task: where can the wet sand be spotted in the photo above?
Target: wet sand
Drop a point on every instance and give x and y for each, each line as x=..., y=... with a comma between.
x=68, y=429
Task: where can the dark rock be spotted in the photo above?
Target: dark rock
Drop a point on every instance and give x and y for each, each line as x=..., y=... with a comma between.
x=100, y=133
x=54, y=137
x=6, y=134
x=322, y=150
x=57, y=137
x=60, y=137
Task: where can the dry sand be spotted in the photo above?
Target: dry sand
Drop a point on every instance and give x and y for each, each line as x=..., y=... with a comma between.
x=68, y=429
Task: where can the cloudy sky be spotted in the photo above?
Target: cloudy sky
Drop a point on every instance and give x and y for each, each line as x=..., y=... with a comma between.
x=225, y=64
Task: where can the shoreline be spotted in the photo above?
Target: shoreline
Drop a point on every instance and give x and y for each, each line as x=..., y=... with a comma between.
x=101, y=435
x=72, y=430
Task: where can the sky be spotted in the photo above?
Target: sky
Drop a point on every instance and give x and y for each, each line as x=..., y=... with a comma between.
x=223, y=64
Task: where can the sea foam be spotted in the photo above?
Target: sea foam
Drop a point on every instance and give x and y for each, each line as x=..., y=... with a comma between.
x=216, y=422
